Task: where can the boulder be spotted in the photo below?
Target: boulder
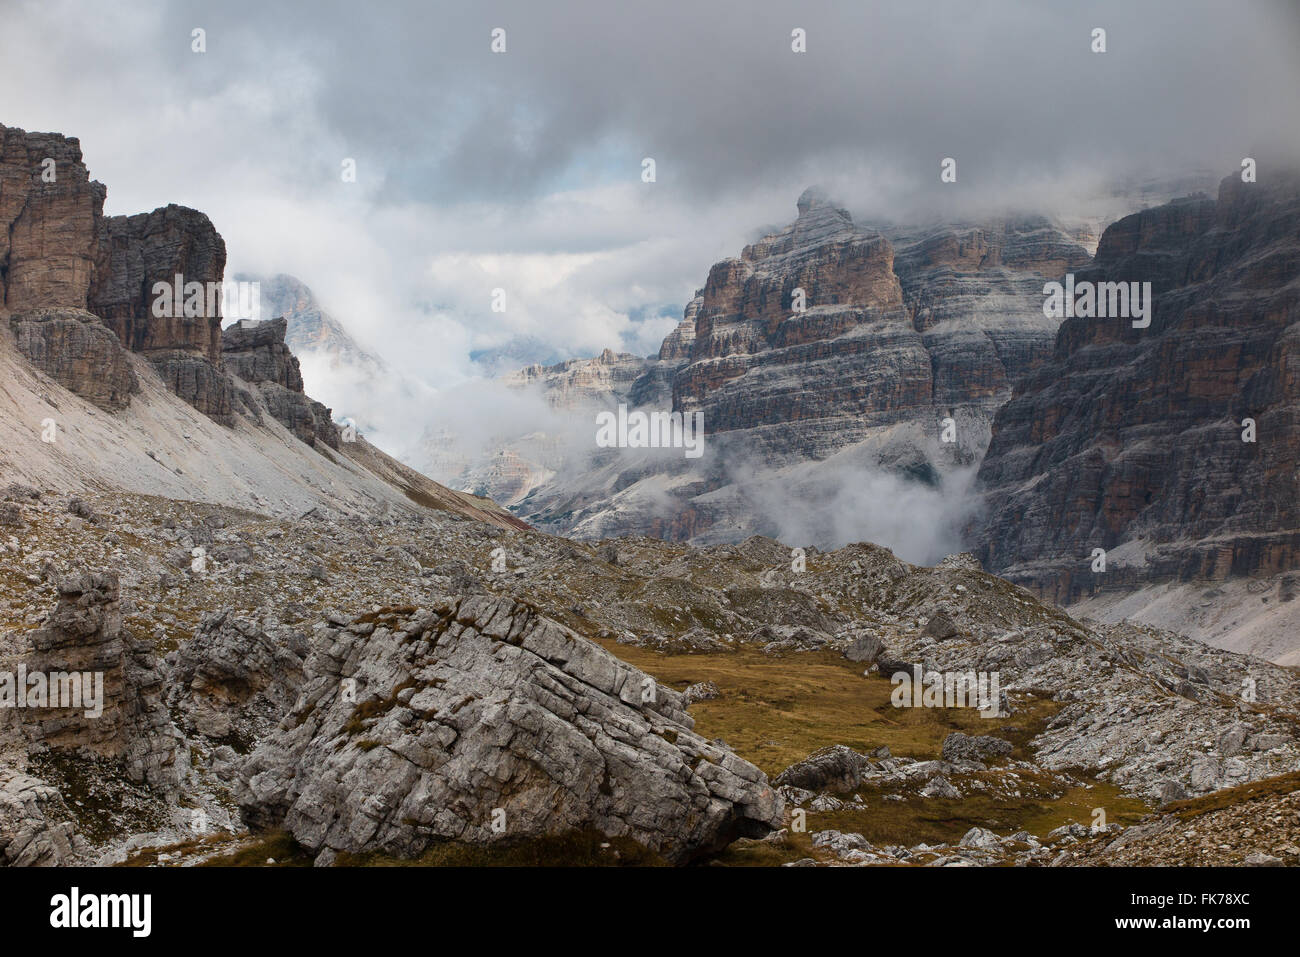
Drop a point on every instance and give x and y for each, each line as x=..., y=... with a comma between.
x=865, y=648
x=480, y=721
x=965, y=747
x=700, y=691
x=834, y=768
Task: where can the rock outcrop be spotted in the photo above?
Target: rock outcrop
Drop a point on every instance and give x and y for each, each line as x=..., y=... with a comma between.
x=256, y=352
x=36, y=828
x=50, y=217
x=78, y=351
x=124, y=719
x=136, y=252
x=176, y=246
x=480, y=721
x=60, y=253
x=826, y=349
x=236, y=678
x=1135, y=441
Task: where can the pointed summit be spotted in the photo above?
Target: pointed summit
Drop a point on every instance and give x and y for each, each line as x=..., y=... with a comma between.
x=811, y=197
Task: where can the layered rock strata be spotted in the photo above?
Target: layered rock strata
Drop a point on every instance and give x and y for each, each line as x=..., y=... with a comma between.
x=482, y=722
x=1171, y=448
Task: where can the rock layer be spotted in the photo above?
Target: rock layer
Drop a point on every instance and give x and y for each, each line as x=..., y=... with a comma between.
x=1130, y=439
x=256, y=352
x=50, y=217
x=84, y=636
x=826, y=349
x=78, y=351
x=480, y=721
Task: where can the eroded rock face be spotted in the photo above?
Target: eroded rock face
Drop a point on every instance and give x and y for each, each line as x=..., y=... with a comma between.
x=1131, y=439
x=414, y=727
x=135, y=252
x=84, y=636
x=256, y=352
x=236, y=678
x=36, y=827
x=749, y=330
x=48, y=230
x=77, y=350
x=59, y=253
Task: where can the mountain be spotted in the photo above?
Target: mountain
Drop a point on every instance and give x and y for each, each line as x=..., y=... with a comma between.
x=891, y=365
x=311, y=331
x=311, y=653
x=104, y=392
x=1172, y=447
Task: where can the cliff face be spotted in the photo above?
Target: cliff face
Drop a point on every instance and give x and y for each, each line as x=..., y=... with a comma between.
x=74, y=348
x=59, y=252
x=758, y=343
x=1131, y=439
x=135, y=252
x=826, y=348
x=77, y=296
x=50, y=216
x=257, y=354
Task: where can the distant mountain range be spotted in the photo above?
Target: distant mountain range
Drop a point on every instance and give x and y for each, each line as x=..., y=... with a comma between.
x=868, y=413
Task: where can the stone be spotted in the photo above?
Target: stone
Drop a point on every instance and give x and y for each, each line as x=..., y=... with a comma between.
x=1170, y=791
x=236, y=678
x=865, y=648
x=1260, y=859
x=1232, y=741
x=36, y=828
x=980, y=837
x=940, y=787
x=508, y=710
x=965, y=747
x=700, y=691
x=834, y=768
x=940, y=627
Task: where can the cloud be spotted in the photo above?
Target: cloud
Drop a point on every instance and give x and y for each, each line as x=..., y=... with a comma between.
x=532, y=157
x=522, y=170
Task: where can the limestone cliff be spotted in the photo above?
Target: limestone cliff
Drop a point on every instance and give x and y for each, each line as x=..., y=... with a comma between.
x=1135, y=440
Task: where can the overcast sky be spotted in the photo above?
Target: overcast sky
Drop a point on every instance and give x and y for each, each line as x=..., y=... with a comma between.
x=522, y=170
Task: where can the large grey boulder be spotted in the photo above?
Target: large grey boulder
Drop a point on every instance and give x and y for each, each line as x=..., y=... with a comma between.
x=35, y=825
x=480, y=721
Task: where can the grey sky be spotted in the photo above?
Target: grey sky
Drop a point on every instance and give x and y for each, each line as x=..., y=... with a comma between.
x=522, y=170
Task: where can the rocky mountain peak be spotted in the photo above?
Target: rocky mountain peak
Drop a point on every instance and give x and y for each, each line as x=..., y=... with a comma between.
x=821, y=220
x=811, y=197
